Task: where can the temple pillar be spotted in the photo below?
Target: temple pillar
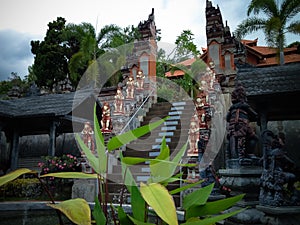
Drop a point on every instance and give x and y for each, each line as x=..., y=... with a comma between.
x=14, y=150
x=52, y=139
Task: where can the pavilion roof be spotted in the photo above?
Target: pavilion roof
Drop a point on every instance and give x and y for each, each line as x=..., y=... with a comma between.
x=43, y=105
x=270, y=80
x=273, y=91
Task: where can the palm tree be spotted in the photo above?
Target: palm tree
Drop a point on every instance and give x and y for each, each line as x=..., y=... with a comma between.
x=277, y=22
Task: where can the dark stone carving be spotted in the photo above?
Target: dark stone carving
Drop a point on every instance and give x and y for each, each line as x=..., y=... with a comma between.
x=277, y=180
x=242, y=139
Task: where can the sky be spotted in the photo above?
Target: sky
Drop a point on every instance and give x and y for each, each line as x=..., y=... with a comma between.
x=24, y=20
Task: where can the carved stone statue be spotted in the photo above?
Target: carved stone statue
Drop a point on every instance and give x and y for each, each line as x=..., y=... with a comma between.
x=130, y=87
x=140, y=80
x=202, y=143
x=193, y=136
x=119, y=102
x=106, y=122
x=88, y=136
x=203, y=111
x=242, y=138
x=277, y=180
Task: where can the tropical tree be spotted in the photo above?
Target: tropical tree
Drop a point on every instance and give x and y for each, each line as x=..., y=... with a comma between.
x=185, y=47
x=50, y=64
x=82, y=49
x=278, y=21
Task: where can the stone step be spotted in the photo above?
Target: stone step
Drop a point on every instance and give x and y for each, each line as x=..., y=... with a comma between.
x=30, y=163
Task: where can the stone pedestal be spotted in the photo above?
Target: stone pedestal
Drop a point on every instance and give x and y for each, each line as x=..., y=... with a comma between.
x=243, y=180
x=285, y=215
x=85, y=188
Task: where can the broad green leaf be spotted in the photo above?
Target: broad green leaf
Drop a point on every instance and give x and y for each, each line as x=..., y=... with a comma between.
x=213, y=220
x=211, y=208
x=198, y=197
x=133, y=160
x=122, y=139
x=98, y=213
x=77, y=210
x=160, y=171
x=179, y=155
x=123, y=218
x=137, y=222
x=185, y=187
x=94, y=162
x=126, y=174
x=171, y=180
x=13, y=175
x=172, y=165
x=164, y=153
x=100, y=147
x=158, y=197
x=71, y=175
x=178, y=175
x=137, y=201
x=136, y=160
x=138, y=204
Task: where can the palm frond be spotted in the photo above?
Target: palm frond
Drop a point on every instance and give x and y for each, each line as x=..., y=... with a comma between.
x=268, y=7
x=294, y=28
x=289, y=9
x=249, y=25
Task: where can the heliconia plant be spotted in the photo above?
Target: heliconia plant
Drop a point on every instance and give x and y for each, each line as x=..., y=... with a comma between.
x=148, y=198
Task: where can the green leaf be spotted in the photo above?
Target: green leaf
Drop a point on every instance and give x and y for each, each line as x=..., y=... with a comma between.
x=185, y=187
x=136, y=160
x=122, y=139
x=165, y=169
x=100, y=147
x=13, y=175
x=77, y=210
x=213, y=220
x=98, y=213
x=133, y=160
x=171, y=180
x=198, y=197
x=160, y=171
x=211, y=208
x=126, y=174
x=164, y=151
x=123, y=218
x=158, y=197
x=137, y=222
x=179, y=155
x=90, y=156
x=137, y=202
x=71, y=175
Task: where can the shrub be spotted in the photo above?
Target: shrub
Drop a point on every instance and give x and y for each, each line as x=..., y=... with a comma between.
x=22, y=188
x=65, y=163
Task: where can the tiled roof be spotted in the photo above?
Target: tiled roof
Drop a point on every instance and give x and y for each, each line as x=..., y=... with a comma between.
x=292, y=58
x=270, y=80
x=264, y=50
x=44, y=105
x=174, y=73
x=248, y=42
x=187, y=62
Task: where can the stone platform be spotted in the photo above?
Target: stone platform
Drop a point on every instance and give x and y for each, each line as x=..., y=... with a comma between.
x=284, y=215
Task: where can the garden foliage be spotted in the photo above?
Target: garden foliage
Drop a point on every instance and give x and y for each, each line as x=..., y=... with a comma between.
x=151, y=198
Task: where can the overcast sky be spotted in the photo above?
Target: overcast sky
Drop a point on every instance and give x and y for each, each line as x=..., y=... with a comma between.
x=24, y=20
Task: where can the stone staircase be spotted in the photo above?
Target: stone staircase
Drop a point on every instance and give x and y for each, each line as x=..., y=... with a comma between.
x=30, y=163
x=174, y=129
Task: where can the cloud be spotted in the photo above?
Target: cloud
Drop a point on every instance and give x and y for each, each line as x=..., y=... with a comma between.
x=15, y=54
